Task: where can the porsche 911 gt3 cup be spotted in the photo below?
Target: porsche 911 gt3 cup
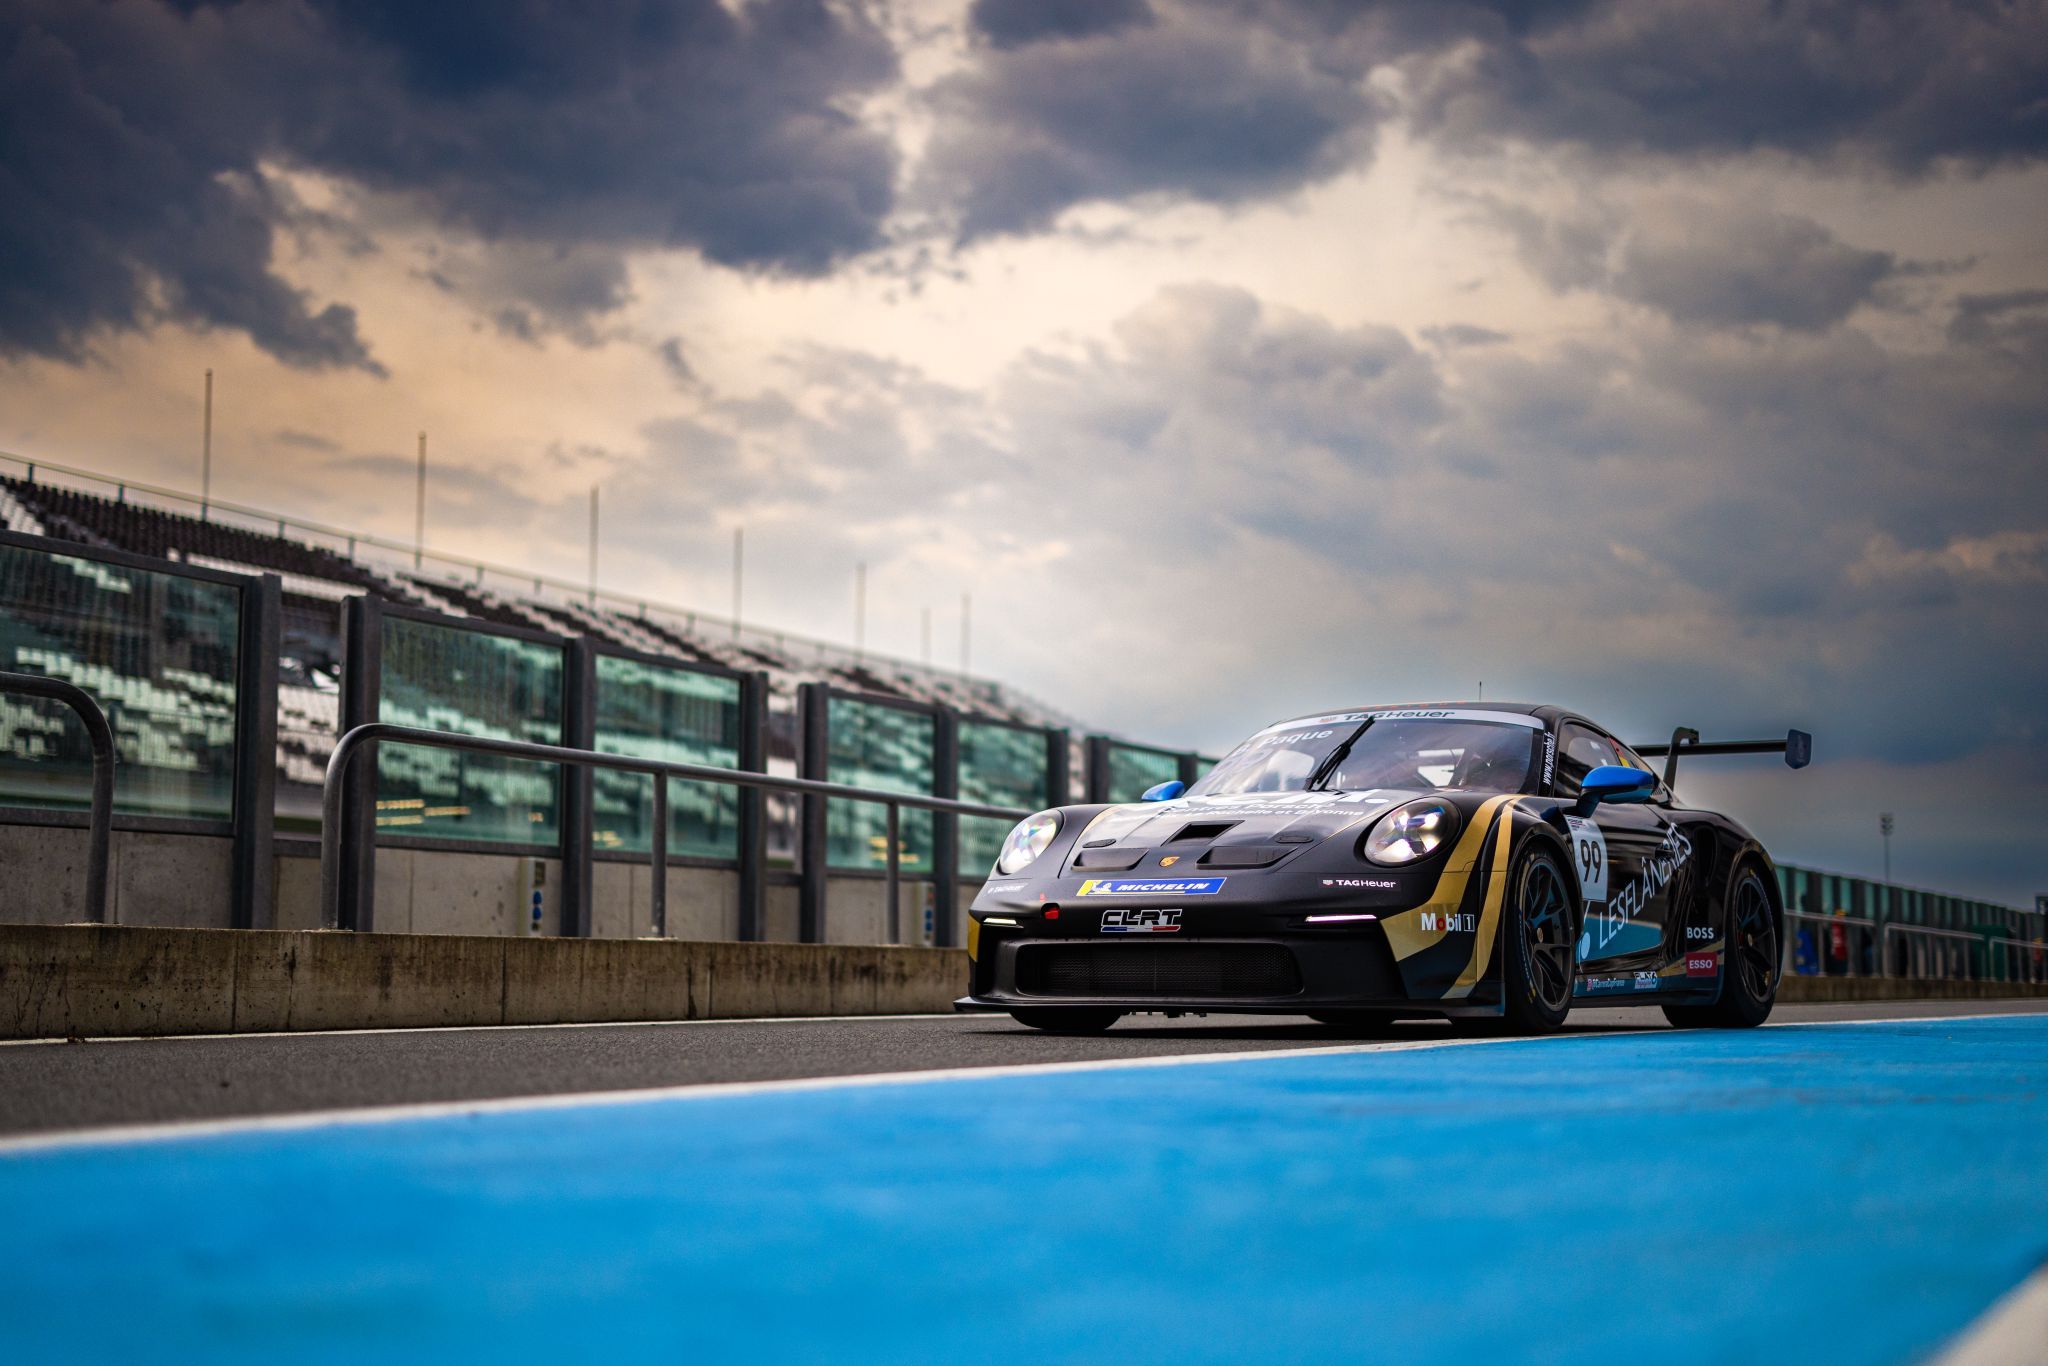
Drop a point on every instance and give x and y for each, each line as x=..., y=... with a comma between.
x=1476, y=860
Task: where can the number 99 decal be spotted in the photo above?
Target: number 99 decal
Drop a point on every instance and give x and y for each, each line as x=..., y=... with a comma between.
x=1589, y=858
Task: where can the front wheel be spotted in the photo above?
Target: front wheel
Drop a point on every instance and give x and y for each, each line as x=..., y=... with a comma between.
x=1749, y=967
x=1539, y=945
x=1066, y=1019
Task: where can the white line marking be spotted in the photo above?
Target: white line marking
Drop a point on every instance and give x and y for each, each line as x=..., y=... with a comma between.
x=55, y=1041
x=468, y=1029
x=385, y=1114
x=2012, y=1332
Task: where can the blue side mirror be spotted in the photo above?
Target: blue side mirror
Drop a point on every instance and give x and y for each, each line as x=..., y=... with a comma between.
x=1164, y=792
x=1615, y=783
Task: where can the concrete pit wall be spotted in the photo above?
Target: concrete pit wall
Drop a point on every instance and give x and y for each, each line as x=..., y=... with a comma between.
x=152, y=879
x=93, y=980
x=184, y=881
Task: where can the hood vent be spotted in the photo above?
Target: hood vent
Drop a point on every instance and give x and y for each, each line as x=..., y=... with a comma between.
x=1109, y=860
x=1245, y=855
x=1200, y=832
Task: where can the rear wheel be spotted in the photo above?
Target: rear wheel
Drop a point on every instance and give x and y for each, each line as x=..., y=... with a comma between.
x=1749, y=966
x=1066, y=1019
x=1538, y=944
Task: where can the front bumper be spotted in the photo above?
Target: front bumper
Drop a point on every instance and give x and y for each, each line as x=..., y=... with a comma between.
x=1271, y=974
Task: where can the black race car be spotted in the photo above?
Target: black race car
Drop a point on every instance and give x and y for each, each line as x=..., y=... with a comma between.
x=1478, y=860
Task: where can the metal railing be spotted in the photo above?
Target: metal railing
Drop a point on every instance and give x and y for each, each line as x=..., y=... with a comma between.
x=1864, y=926
x=334, y=824
x=100, y=826
x=1937, y=953
x=1954, y=953
x=2032, y=957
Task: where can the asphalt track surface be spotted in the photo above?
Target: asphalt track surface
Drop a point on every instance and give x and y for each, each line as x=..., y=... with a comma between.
x=53, y=1086
x=1847, y=1190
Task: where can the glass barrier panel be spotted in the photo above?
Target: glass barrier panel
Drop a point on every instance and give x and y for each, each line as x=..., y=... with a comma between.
x=156, y=650
x=869, y=745
x=1133, y=770
x=1000, y=766
x=678, y=715
x=477, y=683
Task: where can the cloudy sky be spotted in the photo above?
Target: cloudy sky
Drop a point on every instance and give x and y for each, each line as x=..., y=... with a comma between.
x=1681, y=360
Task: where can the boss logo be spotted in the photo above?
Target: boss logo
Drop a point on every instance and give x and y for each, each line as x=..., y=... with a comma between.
x=1141, y=922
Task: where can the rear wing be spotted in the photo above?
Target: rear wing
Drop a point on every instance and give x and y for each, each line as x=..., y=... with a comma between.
x=1797, y=747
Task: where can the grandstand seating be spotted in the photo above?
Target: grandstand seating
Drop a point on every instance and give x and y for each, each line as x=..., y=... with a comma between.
x=317, y=578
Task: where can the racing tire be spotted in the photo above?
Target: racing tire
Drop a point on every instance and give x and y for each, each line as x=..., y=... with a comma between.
x=1749, y=970
x=1066, y=1019
x=1538, y=944
x=1354, y=1021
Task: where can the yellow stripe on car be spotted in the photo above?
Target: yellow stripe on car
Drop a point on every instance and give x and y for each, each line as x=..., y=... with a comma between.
x=1405, y=932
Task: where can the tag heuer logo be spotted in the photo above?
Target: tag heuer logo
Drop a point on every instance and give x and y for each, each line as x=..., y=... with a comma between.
x=1141, y=922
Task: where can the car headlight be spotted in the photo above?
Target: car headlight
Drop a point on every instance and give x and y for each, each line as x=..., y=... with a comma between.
x=1410, y=832
x=1025, y=843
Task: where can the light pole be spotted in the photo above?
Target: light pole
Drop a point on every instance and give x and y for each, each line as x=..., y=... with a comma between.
x=739, y=563
x=593, y=546
x=1884, y=827
x=419, y=508
x=860, y=611
x=966, y=630
x=206, y=452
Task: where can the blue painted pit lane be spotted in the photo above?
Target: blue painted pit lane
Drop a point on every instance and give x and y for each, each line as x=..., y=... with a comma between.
x=1857, y=1193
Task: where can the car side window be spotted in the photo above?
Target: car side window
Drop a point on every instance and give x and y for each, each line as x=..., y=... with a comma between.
x=1580, y=750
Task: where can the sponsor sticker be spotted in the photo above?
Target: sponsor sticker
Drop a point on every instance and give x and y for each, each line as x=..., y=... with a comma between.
x=1594, y=986
x=1141, y=922
x=1375, y=883
x=1434, y=922
x=1003, y=888
x=1671, y=854
x=1646, y=981
x=1505, y=718
x=1589, y=857
x=1151, y=886
x=1702, y=965
x=1289, y=728
x=1698, y=934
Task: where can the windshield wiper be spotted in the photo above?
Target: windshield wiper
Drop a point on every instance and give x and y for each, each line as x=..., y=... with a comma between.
x=1335, y=757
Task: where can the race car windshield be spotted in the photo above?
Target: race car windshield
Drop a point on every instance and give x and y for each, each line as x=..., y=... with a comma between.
x=1486, y=756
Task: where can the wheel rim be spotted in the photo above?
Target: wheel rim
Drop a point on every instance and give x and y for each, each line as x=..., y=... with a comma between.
x=1547, y=932
x=1756, y=939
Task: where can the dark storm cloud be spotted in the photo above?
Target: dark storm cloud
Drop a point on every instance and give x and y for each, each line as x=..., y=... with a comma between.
x=2016, y=319
x=1230, y=100
x=630, y=122
x=1724, y=268
x=1194, y=107
x=1699, y=261
x=125, y=175
x=1014, y=23
x=1905, y=82
x=132, y=136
